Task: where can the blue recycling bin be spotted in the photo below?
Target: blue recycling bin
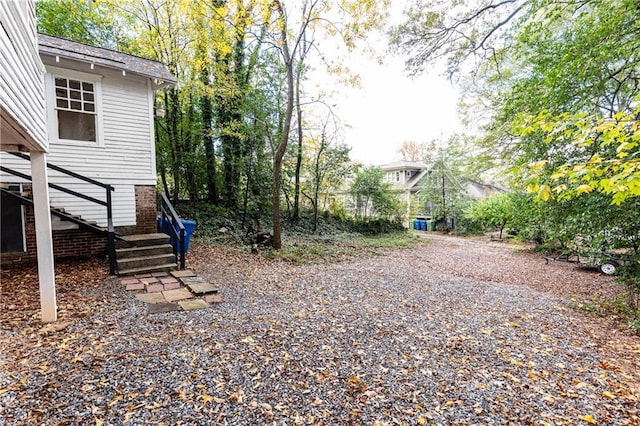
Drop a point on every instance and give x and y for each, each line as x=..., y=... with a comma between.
x=189, y=228
x=164, y=226
x=416, y=225
x=423, y=225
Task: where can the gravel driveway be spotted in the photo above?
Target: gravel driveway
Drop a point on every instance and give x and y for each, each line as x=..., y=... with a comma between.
x=456, y=331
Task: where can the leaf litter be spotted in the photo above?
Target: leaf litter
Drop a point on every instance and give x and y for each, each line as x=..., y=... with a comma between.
x=451, y=332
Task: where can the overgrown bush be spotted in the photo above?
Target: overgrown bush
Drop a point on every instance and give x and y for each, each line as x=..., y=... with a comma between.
x=376, y=226
x=467, y=226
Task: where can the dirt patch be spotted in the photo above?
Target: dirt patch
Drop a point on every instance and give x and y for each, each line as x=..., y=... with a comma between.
x=501, y=261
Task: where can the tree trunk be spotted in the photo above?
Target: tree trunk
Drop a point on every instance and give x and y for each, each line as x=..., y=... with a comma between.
x=282, y=146
x=296, y=195
x=207, y=140
x=189, y=150
x=317, y=181
x=172, y=105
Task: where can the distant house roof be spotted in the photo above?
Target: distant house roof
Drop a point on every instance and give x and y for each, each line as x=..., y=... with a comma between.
x=413, y=183
x=480, y=190
x=473, y=189
x=56, y=46
x=404, y=165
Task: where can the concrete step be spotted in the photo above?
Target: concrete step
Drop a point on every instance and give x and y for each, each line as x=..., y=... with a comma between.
x=142, y=240
x=148, y=269
x=142, y=261
x=124, y=253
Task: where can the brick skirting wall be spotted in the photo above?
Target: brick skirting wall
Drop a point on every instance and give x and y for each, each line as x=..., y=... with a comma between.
x=67, y=243
x=71, y=243
x=146, y=210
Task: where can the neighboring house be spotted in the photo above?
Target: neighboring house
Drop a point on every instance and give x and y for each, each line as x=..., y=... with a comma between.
x=405, y=176
x=23, y=128
x=100, y=123
x=409, y=177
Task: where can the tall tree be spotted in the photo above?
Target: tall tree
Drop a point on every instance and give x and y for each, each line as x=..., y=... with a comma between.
x=328, y=164
x=359, y=17
x=86, y=22
x=285, y=51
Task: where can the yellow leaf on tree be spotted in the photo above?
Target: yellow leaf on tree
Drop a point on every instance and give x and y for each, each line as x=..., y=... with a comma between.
x=558, y=189
x=589, y=419
x=584, y=188
x=609, y=395
x=538, y=165
x=544, y=193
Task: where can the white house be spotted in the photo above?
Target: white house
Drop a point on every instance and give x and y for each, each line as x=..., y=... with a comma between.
x=23, y=128
x=100, y=123
x=407, y=178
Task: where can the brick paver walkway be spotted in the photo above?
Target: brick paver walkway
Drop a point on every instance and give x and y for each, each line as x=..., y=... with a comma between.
x=177, y=291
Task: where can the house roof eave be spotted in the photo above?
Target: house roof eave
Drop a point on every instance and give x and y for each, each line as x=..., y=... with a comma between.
x=154, y=70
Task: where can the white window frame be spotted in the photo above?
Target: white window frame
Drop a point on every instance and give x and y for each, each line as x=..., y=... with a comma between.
x=50, y=88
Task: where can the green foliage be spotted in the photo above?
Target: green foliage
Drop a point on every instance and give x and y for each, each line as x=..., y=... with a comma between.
x=337, y=210
x=442, y=194
x=495, y=212
x=605, y=155
x=377, y=226
x=372, y=195
x=82, y=21
x=336, y=239
x=215, y=224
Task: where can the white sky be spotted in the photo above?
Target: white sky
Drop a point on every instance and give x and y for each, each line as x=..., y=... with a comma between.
x=390, y=107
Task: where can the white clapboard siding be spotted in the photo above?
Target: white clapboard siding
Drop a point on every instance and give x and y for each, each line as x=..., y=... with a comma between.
x=123, y=204
x=122, y=198
x=126, y=159
x=21, y=77
x=128, y=151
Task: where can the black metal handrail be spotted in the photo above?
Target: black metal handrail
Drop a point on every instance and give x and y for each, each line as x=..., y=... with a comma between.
x=107, y=203
x=176, y=228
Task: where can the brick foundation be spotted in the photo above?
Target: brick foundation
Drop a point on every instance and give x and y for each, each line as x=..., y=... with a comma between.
x=67, y=243
x=146, y=210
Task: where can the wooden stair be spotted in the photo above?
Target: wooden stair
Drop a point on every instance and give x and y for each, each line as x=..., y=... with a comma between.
x=144, y=253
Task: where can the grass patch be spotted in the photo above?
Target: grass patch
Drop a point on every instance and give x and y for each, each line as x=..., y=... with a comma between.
x=334, y=240
x=328, y=248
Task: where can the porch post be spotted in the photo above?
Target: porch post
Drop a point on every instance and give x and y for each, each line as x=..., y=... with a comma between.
x=44, y=242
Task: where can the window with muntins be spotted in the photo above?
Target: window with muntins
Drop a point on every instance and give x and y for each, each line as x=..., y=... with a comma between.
x=75, y=104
